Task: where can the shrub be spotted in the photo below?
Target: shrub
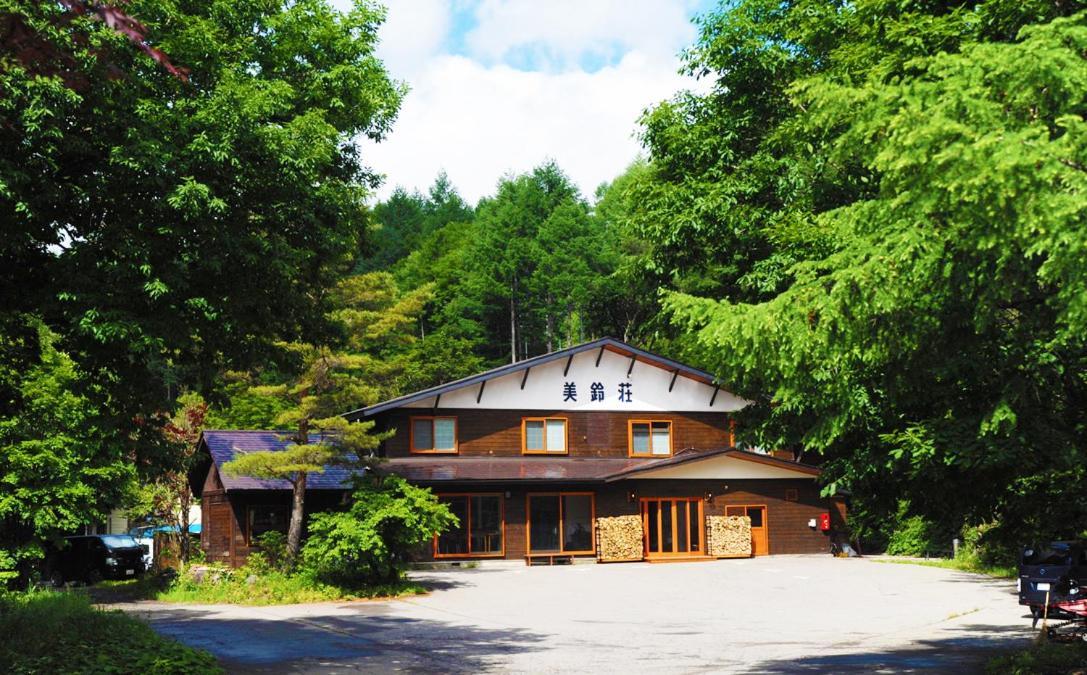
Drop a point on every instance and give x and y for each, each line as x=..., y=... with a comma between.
x=272, y=555
x=915, y=535
x=387, y=519
x=51, y=632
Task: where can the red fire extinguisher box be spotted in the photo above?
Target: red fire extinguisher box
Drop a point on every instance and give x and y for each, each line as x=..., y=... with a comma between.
x=824, y=522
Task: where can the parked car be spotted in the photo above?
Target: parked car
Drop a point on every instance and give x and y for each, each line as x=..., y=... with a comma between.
x=91, y=558
x=1051, y=575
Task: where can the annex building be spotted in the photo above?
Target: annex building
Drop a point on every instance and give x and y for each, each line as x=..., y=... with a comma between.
x=530, y=455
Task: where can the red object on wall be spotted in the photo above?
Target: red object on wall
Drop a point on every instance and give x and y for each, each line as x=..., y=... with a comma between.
x=824, y=522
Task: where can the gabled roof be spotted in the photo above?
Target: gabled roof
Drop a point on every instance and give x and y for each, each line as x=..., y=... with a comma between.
x=224, y=446
x=607, y=343
x=692, y=456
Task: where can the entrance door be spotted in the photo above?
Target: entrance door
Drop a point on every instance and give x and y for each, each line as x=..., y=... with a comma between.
x=760, y=542
x=672, y=526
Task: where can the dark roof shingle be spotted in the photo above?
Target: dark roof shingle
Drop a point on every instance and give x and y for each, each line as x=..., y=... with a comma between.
x=226, y=445
x=473, y=469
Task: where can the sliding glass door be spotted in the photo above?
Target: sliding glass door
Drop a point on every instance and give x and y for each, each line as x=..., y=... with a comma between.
x=672, y=526
x=480, y=526
x=560, y=523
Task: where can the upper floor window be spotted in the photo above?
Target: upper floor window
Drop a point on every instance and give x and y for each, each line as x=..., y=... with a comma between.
x=433, y=434
x=650, y=438
x=543, y=435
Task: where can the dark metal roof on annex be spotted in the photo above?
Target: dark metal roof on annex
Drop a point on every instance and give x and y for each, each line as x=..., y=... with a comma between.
x=505, y=469
x=608, y=343
x=227, y=445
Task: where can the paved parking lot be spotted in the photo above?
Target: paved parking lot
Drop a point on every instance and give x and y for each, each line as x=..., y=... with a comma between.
x=776, y=614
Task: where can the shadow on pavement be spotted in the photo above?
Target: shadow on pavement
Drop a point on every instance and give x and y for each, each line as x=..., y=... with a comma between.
x=951, y=655
x=444, y=581
x=361, y=641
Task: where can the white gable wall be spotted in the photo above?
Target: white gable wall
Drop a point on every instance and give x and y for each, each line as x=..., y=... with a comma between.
x=723, y=468
x=544, y=389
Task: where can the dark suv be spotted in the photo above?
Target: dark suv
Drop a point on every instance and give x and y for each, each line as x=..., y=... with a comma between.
x=95, y=557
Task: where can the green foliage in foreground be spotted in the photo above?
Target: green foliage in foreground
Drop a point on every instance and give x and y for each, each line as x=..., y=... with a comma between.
x=369, y=543
x=49, y=632
x=1046, y=657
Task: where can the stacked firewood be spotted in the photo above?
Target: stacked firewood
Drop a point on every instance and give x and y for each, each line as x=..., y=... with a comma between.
x=619, y=538
x=728, y=536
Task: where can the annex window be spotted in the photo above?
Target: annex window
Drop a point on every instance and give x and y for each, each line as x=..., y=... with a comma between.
x=479, y=530
x=434, y=434
x=543, y=435
x=560, y=523
x=267, y=519
x=650, y=438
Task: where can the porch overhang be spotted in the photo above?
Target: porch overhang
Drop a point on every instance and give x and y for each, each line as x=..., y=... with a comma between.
x=687, y=465
x=724, y=464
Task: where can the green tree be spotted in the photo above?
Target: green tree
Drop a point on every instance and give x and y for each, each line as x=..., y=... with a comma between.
x=880, y=249
x=625, y=301
x=167, y=229
x=535, y=258
x=405, y=219
x=388, y=519
x=58, y=470
x=375, y=323
x=329, y=384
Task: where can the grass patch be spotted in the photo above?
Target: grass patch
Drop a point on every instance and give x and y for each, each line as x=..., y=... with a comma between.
x=1043, y=658
x=245, y=587
x=239, y=587
x=959, y=564
x=55, y=632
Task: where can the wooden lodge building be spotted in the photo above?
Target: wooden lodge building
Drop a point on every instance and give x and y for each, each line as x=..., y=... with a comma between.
x=530, y=455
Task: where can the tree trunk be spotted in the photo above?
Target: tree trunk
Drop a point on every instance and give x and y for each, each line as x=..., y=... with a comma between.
x=550, y=332
x=298, y=499
x=294, y=532
x=513, y=321
x=185, y=542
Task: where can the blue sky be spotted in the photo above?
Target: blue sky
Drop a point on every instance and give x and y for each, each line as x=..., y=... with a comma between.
x=499, y=86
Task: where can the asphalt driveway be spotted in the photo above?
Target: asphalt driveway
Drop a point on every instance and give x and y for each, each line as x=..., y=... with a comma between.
x=776, y=614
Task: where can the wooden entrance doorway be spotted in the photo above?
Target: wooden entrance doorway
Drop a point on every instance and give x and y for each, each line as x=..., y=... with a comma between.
x=760, y=541
x=672, y=527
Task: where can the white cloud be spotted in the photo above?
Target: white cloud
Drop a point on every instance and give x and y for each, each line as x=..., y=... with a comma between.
x=413, y=33
x=478, y=118
x=562, y=31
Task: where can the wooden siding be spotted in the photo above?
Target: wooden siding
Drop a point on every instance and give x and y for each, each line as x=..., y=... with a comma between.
x=787, y=520
x=224, y=515
x=224, y=519
x=497, y=433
